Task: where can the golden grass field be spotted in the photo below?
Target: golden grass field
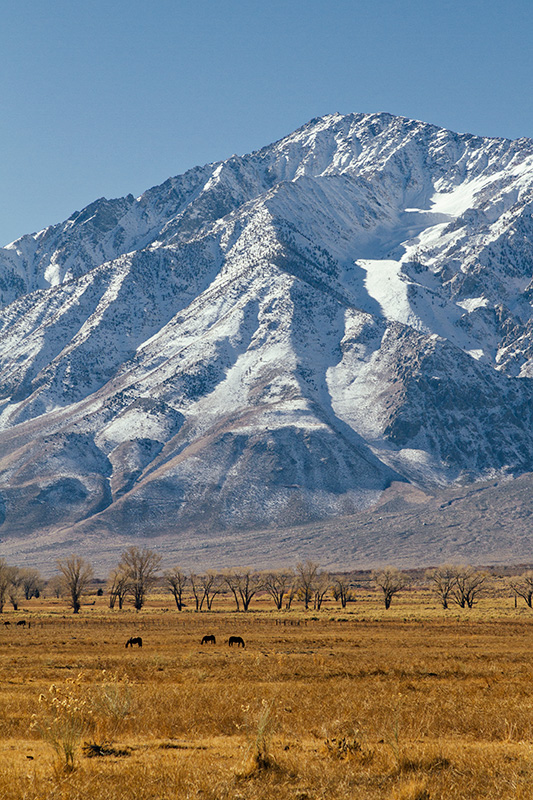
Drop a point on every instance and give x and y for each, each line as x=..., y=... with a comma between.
x=415, y=703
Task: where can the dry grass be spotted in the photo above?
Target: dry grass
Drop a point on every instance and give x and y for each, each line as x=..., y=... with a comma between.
x=410, y=704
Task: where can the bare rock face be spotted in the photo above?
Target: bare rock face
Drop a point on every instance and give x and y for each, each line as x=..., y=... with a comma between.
x=274, y=339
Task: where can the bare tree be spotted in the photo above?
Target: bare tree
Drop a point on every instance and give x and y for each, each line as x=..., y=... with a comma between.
x=278, y=584
x=5, y=580
x=522, y=585
x=211, y=586
x=141, y=567
x=77, y=575
x=197, y=591
x=32, y=582
x=244, y=586
x=119, y=586
x=55, y=586
x=251, y=583
x=341, y=589
x=176, y=581
x=443, y=579
x=231, y=579
x=390, y=580
x=307, y=573
x=322, y=586
x=468, y=585
x=205, y=588
x=15, y=588
x=291, y=593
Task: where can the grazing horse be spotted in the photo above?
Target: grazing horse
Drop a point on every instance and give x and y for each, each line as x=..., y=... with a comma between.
x=21, y=622
x=134, y=640
x=208, y=639
x=238, y=640
x=7, y=622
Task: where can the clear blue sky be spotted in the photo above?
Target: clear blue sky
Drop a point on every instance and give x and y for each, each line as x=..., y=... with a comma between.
x=105, y=97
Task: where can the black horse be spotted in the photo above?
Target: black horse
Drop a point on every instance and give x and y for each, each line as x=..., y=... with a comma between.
x=238, y=640
x=209, y=639
x=134, y=640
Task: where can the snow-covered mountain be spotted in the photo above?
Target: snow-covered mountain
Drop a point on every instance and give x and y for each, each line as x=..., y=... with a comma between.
x=275, y=338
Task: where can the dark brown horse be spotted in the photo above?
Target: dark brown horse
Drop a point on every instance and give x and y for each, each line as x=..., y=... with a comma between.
x=238, y=640
x=134, y=640
x=208, y=639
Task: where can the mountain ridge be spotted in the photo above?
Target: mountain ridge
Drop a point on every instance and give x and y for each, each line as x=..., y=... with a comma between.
x=275, y=338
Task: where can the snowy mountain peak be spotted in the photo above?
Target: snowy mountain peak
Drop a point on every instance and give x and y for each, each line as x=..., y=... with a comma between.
x=274, y=338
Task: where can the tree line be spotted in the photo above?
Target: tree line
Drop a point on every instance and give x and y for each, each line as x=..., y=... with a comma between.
x=139, y=570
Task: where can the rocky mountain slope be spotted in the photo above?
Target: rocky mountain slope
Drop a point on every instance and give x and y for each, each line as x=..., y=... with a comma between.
x=273, y=339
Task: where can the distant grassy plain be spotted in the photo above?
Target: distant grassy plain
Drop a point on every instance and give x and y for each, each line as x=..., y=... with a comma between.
x=413, y=703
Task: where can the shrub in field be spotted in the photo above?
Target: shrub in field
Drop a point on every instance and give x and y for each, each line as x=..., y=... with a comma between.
x=112, y=702
x=260, y=730
x=413, y=789
x=263, y=736
x=343, y=747
x=64, y=716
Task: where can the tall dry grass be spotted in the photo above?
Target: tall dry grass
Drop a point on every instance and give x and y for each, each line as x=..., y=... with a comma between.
x=412, y=704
